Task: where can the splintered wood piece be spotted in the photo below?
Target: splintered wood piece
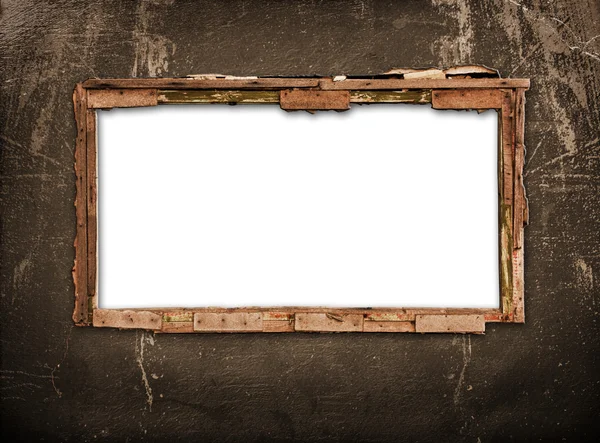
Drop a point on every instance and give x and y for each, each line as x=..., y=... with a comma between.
x=127, y=319
x=450, y=323
x=472, y=69
x=314, y=100
x=121, y=98
x=228, y=322
x=466, y=99
x=328, y=322
x=389, y=326
x=427, y=73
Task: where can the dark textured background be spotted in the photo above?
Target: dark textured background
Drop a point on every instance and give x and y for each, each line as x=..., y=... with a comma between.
x=539, y=380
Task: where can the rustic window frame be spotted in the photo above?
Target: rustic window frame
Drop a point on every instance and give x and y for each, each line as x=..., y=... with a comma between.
x=456, y=88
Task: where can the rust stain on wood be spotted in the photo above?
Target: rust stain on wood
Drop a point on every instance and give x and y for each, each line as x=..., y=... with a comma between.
x=127, y=319
x=228, y=322
x=315, y=100
x=450, y=323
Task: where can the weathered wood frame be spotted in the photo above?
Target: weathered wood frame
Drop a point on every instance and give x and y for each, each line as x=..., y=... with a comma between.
x=443, y=91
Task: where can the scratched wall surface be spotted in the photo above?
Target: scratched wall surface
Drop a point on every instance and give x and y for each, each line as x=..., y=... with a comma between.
x=61, y=383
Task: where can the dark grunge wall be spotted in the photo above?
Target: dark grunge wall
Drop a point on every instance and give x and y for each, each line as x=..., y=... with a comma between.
x=537, y=381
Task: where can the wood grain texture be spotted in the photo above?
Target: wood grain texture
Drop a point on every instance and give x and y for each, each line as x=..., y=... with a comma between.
x=80, y=271
x=450, y=323
x=191, y=83
x=422, y=83
x=121, y=98
x=466, y=99
x=314, y=100
x=328, y=322
x=228, y=322
x=389, y=326
x=92, y=219
x=127, y=319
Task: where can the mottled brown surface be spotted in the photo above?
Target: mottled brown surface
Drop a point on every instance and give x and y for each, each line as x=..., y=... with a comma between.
x=539, y=380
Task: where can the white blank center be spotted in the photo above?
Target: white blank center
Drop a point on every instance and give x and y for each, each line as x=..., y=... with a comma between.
x=380, y=206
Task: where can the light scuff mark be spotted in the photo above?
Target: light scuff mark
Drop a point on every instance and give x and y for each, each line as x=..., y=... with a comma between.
x=585, y=279
x=152, y=50
x=555, y=37
x=21, y=274
x=139, y=358
x=456, y=49
x=56, y=368
x=466, y=350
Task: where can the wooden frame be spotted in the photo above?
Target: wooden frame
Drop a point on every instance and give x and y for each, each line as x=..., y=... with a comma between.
x=456, y=88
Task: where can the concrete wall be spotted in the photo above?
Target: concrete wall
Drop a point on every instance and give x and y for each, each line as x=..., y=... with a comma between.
x=60, y=383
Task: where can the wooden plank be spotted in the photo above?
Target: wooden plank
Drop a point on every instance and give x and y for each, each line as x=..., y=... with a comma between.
x=328, y=322
x=507, y=133
x=423, y=83
x=403, y=96
x=170, y=96
x=518, y=289
x=278, y=326
x=92, y=221
x=520, y=204
x=389, y=326
x=278, y=321
x=506, y=271
x=192, y=83
x=80, y=279
x=466, y=99
x=310, y=99
x=121, y=98
x=127, y=319
x=178, y=316
x=389, y=316
x=450, y=323
x=177, y=327
x=228, y=322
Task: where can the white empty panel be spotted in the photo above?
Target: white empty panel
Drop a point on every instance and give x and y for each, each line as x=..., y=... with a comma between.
x=380, y=206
